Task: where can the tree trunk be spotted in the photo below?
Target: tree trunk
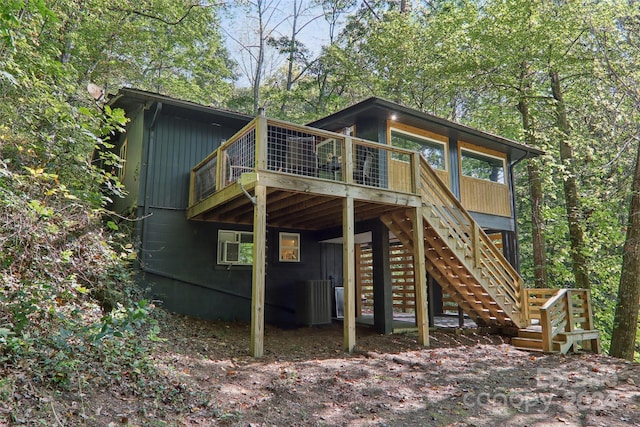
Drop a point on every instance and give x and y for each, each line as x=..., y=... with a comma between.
x=291, y=58
x=536, y=194
x=257, y=77
x=625, y=322
x=537, y=227
x=572, y=200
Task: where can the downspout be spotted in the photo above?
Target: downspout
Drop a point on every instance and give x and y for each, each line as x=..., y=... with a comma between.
x=145, y=207
x=513, y=210
x=246, y=193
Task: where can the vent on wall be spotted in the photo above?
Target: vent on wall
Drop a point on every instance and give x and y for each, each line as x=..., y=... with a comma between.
x=313, y=302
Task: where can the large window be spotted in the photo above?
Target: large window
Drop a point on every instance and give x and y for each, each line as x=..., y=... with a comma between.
x=432, y=150
x=482, y=166
x=235, y=247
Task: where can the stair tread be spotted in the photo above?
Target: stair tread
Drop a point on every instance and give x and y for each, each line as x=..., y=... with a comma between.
x=533, y=350
x=527, y=339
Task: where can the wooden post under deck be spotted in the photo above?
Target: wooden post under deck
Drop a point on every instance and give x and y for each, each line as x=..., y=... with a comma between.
x=420, y=277
x=258, y=282
x=349, y=274
x=382, y=284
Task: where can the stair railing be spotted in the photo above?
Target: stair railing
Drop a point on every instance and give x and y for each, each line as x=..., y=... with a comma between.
x=472, y=241
x=534, y=298
x=555, y=318
x=568, y=313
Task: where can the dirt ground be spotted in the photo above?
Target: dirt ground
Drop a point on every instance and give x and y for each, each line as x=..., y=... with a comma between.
x=305, y=379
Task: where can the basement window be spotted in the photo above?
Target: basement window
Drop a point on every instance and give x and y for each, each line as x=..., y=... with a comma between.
x=235, y=247
x=289, y=247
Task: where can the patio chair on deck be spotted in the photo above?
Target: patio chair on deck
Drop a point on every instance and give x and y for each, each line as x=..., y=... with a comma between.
x=301, y=158
x=365, y=174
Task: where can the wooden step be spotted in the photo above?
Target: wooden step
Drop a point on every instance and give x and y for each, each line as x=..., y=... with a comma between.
x=527, y=343
x=449, y=262
x=579, y=335
x=525, y=333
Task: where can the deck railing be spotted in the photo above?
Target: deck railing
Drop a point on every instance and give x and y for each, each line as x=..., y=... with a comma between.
x=212, y=174
x=281, y=147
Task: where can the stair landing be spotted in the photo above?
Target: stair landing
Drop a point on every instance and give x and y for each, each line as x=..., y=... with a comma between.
x=530, y=339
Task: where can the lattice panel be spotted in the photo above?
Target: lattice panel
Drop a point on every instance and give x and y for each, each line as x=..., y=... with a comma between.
x=402, y=278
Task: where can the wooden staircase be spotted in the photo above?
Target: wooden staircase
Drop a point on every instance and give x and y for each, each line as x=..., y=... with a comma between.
x=475, y=274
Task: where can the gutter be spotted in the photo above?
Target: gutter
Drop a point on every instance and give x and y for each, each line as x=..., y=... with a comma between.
x=146, y=208
x=513, y=209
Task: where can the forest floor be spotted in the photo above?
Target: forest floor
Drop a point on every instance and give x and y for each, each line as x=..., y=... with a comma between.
x=205, y=377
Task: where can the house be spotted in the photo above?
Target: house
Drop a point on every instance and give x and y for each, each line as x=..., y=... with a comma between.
x=260, y=220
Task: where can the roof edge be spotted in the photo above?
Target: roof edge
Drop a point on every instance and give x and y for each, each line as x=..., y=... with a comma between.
x=144, y=96
x=384, y=103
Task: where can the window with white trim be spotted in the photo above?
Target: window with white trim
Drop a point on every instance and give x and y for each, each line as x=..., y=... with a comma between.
x=435, y=152
x=235, y=247
x=482, y=166
x=289, y=247
x=122, y=167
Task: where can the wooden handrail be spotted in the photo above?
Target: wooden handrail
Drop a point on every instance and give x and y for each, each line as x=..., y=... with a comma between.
x=568, y=313
x=247, y=128
x=473, y=239
x=251, y=126
x=554, y=318
x=534, y=298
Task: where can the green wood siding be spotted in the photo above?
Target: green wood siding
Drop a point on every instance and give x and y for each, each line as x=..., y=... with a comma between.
x=177, y=145
x=134, y=139
x=179, y=261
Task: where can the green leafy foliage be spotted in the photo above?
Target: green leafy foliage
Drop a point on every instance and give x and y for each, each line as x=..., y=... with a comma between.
x=67, y=302
x=66, y=289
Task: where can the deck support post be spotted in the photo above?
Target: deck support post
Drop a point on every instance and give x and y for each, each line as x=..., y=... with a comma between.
x=420, y=276
x=349, y=260
x=382, y=285
x=258, y=279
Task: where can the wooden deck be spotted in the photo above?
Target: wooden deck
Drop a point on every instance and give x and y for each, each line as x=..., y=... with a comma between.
x=298, y=202
x=270, y=175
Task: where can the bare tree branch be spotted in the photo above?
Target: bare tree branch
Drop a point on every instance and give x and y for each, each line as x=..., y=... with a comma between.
x=371, y=9
x=158, y=18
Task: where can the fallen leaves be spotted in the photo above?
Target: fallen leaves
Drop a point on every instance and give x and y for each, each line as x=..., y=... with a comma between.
x=318, y=384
